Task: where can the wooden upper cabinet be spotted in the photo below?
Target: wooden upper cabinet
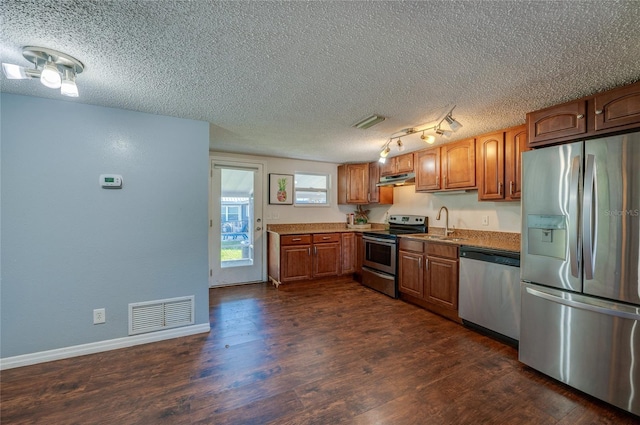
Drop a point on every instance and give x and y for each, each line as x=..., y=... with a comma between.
x=353, y=183
x=592, y=116
x=617, y=108
x=500, y=164
x=427, y=169
x=557, y=122
x=515, y=140
x=397, y=165
x=459, y=165
x=378, y=195
x=491, y=166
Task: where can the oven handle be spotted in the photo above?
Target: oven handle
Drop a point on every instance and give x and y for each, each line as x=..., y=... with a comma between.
x=377, y=273
x=389, y=242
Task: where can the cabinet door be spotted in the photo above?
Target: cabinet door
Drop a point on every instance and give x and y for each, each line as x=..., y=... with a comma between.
x=378, y=195
x=326, y=259
x=295, y=263
x=389, y=167
x=442, y=282
x=411, y=274
x=404, y=163
x=348, y=253
x=562, y=121
x=490, y=167
x=428, y=169
x=357, y=183
x=618, y=107
x=359, y=256
x=459, y=165
x=515, y=143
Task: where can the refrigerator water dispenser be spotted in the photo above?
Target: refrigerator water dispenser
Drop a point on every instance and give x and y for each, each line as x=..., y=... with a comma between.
x=547, y=235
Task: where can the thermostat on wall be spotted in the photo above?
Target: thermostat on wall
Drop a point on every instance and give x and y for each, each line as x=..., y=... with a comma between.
x=111, y=181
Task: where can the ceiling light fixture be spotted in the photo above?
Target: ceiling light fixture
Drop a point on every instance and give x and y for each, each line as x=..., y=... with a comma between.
x=369, y=122
x=454, y=125
x=429, y=139
x=54, y=69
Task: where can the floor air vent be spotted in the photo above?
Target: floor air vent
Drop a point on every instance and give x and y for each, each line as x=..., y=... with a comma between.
x=158, y=315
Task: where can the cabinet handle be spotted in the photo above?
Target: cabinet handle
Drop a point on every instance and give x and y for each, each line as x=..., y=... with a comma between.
x=324, y=238
x=511, y=188
x=598, y=111
x=309, y=251
x=315, y=250
x=369, y=196
x=296, y=239
x=580, y=116
x=499, y=188
x=426, y=264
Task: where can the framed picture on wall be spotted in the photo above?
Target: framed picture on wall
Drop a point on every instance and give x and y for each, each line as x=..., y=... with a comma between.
x=281, y=189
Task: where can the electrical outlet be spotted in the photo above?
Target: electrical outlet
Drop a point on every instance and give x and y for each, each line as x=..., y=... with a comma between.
x=99, y=316
x=485, y=220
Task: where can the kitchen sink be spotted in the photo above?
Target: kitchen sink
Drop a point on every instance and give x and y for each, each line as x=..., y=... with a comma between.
x=443, y=238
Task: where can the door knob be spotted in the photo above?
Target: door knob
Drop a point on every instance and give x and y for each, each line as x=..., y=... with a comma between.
x=258, y=228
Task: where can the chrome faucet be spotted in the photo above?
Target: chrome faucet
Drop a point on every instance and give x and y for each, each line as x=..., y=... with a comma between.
x=447, y=232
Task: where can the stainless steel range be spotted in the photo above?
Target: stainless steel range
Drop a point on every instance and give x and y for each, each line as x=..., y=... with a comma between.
x=381, y=252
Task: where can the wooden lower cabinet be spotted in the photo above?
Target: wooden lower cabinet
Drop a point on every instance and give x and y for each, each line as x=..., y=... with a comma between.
x=348, y=253
x=428, y=276
x=301, y=257
x=359, y=257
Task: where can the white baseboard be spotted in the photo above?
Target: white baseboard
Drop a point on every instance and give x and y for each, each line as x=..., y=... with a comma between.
x=100, y=346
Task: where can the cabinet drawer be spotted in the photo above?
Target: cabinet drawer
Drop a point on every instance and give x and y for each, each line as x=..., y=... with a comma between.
x=295, y=240
x=442, y=250
x=411, y=245
x=326, y=237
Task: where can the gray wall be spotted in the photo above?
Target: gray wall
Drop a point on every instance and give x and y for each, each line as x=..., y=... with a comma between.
x=69, y=246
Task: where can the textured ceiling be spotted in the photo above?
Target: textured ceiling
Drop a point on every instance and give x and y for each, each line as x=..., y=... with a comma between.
x=289, y=79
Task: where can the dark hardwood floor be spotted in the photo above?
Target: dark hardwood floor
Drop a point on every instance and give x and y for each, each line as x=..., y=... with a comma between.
x=329, y=352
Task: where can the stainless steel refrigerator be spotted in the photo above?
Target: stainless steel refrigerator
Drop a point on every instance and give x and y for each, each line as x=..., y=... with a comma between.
x=579, y=269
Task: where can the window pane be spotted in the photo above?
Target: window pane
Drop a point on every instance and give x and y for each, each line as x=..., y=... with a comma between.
x=303, y=197
x=311, y=181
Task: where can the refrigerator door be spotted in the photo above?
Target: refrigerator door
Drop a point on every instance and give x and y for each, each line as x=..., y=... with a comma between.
x=551, y=187
x=611, y=218
x=587, y=343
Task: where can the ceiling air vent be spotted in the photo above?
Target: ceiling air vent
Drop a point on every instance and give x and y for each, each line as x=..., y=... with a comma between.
x=158, y=315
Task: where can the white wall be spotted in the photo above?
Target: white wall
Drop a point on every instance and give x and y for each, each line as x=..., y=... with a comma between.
x=464, y=209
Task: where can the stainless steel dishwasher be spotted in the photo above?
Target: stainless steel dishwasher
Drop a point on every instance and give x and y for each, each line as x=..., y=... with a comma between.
x=489, y=294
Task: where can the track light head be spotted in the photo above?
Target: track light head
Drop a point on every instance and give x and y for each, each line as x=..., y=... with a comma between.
x=428, y=139
x=400, y=145
x=385, y=151
x=50, y=76
x=445, y=133
x=453, y=124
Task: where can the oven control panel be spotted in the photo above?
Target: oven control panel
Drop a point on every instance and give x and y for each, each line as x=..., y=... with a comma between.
x=407, y=220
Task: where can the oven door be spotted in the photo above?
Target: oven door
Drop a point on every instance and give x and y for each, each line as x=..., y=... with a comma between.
x=380, y=254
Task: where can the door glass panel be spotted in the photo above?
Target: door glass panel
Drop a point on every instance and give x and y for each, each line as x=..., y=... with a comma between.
x=236, y=217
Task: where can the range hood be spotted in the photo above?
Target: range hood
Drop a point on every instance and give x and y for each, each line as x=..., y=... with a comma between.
x=398, y=180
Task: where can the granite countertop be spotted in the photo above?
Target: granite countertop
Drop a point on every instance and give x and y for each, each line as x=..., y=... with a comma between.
x=505, y=241
x=295, y=229
x=484, y=239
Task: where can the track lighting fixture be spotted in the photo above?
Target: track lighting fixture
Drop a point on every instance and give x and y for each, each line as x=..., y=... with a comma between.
x=454, y=125
x=54, y=69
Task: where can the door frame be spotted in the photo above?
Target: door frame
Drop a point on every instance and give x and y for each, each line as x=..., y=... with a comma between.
x=217, y=234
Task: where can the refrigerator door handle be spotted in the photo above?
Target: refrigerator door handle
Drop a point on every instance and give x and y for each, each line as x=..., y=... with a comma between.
x=574, y=230
x=589, y=216
x=607, y=308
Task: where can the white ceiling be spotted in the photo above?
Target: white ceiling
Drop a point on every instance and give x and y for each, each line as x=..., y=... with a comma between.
x=289, y=79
